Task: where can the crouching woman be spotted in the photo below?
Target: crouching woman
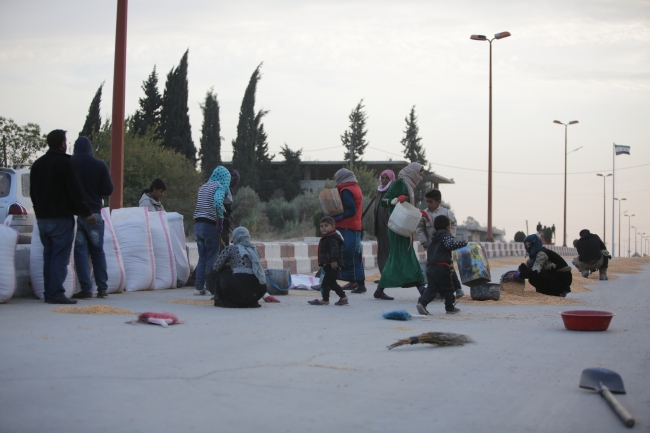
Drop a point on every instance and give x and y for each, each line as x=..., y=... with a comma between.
x=237, y=278
x=545, y=270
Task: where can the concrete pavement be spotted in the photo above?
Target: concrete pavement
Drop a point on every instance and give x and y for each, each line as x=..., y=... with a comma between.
x=292, y=367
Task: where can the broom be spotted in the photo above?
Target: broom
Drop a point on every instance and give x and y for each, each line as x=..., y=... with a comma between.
x=435, y=338
x=402, y=315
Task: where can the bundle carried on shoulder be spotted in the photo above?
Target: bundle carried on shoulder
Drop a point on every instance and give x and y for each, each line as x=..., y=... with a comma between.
x=330, y=200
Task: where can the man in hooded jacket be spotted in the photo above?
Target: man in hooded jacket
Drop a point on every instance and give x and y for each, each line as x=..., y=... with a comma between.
x=592, y=255
x=96, y=183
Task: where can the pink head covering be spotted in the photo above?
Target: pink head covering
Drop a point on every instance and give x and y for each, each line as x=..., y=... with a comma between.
x=390, y=175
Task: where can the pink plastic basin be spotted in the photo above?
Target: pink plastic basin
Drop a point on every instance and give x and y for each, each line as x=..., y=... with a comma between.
x=586, y=320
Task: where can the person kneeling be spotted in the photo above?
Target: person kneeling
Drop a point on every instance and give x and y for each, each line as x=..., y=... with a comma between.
x=592, y=255
x=330, y=258
x=545, y=270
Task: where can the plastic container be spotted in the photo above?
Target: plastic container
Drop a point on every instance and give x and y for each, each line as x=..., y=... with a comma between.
x=586, y=320
x=485, y=292
x=330, y=201
x=473, y=265
x=404, y=219
x=278, y=281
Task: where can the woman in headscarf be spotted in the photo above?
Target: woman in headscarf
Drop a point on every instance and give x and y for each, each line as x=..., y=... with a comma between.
x=386, y=179
x=349, y=225
x=237, y=277
x=402, y=268
x=545, y=270
x=208, y=223
x=228, y=222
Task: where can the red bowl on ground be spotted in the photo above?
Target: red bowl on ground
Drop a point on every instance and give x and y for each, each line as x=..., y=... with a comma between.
x=586, y=320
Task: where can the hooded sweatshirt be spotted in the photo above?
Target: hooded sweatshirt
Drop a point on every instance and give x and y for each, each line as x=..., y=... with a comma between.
x=441, y=246
x=93, y=174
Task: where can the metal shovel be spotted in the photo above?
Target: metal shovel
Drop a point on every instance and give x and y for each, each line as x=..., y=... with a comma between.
x=607, y=382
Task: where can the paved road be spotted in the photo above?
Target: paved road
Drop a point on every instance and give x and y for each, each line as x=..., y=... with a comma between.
x=292, y=367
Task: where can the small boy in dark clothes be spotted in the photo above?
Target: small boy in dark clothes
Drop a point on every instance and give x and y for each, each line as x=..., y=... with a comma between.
x=439, y=266
x=330, y=258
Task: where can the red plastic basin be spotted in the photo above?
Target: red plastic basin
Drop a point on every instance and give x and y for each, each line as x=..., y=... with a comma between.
x=586, y=320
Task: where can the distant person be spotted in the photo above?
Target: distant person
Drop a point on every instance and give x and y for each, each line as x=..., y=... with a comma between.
x=592, y=255
x=440, y=267
x=228, y=221
x=151, y=197
x=386, y=179
x=425, y=229
x=539, y=227
x=208, y=223
x=545, y=270
x=330, y=257
x=95, y=182
x=57, y=198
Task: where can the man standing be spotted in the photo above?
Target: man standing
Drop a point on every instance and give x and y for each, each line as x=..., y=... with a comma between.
x=95, y=182
x=57, y=197
x=592, y=255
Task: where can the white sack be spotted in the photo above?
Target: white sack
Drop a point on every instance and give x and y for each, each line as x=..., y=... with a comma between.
x=131, y=226
x=36, y=266
x=163, y=251
x=177, y=229
x=8, y=242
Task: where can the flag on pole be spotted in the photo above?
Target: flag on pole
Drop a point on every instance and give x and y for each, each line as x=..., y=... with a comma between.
x=619, y=149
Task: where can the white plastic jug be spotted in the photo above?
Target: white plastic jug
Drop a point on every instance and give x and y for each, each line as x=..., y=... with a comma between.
x=404, y=219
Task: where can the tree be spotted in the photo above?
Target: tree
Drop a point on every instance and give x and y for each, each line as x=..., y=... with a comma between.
x=267, y=185
x=94, y=118
x=148, y=115
x=244, y=146
x=413, y=150
x=20, y=144
x=175, y=128
x=520, y=236
x=354, y=138
x=210, y=153
x=289, y=176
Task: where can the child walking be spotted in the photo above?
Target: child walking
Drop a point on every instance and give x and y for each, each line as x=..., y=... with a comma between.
x=330, y=258
x=439, y=266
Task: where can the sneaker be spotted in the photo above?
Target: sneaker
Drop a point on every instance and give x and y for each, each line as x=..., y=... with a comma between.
x=318, y=302
x=101, y=294
x=63, y=300
x=585, y=274
x=316, y=287
x=342, y=301
x=422, y=309
x=603, y=275
x=459, y=293
x=563, y=294
x=454, y=311
x=83, y=295
x=198, y=292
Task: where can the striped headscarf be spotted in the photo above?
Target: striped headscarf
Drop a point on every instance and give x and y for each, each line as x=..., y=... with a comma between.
x=220, y=175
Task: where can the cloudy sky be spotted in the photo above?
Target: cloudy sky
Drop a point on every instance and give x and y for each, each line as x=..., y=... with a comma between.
x=567, y=60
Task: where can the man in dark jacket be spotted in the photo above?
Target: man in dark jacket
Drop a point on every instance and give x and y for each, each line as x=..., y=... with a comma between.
x=592, y=255
x=95, y=182
x=57, y=198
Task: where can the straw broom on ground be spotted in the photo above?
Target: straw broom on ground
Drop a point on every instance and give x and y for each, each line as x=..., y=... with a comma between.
x=435, y=338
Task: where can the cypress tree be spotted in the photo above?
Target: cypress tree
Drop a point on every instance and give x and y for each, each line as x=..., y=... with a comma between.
x=94, y=118
x=354, y=138
x=210, y=153
x=148, y=115
x=175, y=128
x=289, y=176
x=266, y=183
x=244, y=146
x=413, y=150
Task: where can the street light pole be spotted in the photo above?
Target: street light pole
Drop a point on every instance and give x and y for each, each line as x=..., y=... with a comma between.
x=604, y=205
x=634, y=227
x=619, y=224
x=501, y=35
x=629, y=238
x=573, y=122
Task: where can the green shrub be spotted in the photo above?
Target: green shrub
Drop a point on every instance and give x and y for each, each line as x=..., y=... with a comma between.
x=520, y=236
x=280, y=213
x=367, y=179
x=318, y=215
x=248, y=211
x=306, y=204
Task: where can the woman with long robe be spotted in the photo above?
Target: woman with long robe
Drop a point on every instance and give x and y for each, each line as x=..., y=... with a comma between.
x=237, y=275
x=386, y=179
x=402, y=268
x=545, y=270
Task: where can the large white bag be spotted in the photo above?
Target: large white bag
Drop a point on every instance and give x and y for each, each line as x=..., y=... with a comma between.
x=131, y=226
x=177, y=229
x=163, y=251
x=8, y=242
x=36, y=266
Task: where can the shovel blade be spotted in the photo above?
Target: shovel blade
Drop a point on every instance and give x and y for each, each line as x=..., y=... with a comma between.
x=594, y=378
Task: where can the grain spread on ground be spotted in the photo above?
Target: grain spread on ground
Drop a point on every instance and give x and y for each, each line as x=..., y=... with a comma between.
x=191, y=301
x=92, y=309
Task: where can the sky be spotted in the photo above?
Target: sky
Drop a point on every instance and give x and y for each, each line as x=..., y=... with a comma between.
x=566, y=60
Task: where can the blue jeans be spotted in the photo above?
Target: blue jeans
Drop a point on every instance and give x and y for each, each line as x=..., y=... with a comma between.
x=90, y=239
x=207, y=242
x=56, y=236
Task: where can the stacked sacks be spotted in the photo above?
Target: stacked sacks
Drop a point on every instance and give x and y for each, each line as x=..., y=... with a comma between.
x=131, y=226
x=163, y=251
x=177, y=230
x=36, y=266
x=8, y=242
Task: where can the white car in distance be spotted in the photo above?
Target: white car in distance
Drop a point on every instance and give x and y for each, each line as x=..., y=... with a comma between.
x=15, y=201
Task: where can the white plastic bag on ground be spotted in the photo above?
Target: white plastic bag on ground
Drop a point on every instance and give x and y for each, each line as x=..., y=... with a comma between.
x=303, y=282
x=8, y=242
x=177, y=229
x=163, y=251
x=36, y=266
x=131, y=226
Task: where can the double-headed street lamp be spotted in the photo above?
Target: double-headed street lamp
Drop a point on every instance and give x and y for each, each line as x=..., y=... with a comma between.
x=573, y=122
x=619, y=225
x=484, y=38
x=629, y=232
x=604, y=176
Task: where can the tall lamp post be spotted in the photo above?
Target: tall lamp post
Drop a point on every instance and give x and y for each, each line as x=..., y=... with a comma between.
x=483, y=38
x=573, y=122
x=619, y=225
x=629, y=232
x=634, y=227
x=604, y=176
